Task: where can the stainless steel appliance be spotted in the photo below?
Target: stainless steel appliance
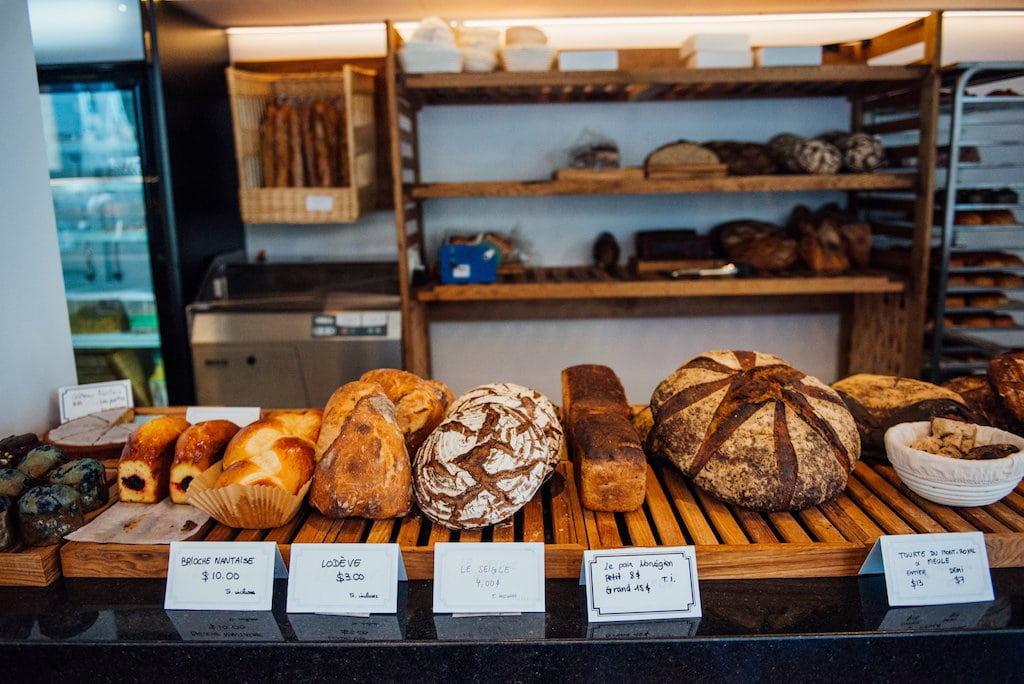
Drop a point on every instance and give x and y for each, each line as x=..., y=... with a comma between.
x=287, y=334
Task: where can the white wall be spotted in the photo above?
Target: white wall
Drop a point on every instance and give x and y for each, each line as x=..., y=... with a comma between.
x=35, y=347
x=528, y=142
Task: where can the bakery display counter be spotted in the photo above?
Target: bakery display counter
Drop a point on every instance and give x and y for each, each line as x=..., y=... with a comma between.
x=751, y=630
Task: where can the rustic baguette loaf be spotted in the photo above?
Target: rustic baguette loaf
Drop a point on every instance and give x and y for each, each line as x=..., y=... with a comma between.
x=276, y=451
x=608, y=457
x=339, y=406
x=365, y=471
x=144, y=469
x=198, y=447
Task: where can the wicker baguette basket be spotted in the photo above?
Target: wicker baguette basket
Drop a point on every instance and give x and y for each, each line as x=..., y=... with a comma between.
x=250, y=93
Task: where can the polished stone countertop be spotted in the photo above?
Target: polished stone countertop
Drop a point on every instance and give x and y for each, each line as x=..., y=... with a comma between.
x=750, y=630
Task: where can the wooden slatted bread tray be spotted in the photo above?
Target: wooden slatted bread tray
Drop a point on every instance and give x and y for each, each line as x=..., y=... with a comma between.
x=831, y=539
x=554, y=517
x=39, y=566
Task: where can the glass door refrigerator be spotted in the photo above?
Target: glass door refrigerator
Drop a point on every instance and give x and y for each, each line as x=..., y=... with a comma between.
x=142, y=173
x=104, y=189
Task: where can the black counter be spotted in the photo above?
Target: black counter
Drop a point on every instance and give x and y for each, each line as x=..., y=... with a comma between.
x=829, y=629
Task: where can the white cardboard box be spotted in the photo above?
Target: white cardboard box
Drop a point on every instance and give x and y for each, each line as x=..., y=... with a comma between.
x=699, y=42
x=588, y=60
x=709, y=59
x=788, y=55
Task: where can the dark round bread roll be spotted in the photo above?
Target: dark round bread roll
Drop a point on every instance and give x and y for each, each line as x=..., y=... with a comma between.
x=744, y=158
x=981, y=397
x=752, y=430
x=41, y=460
x=878, y=402
x=47, y=512
x=8, y=522
x=87, y=477
x=761, y=245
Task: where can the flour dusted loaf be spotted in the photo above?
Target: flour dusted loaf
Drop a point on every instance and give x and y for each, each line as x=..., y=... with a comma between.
x=537, y=407
x=198, y=447
x=752, y=430
x=608, y=456
x=365, y=471
x=144, y=469
x=480, y=465
x=878, y=402
x=339, y=406
x=420, y=403
x=275, y=451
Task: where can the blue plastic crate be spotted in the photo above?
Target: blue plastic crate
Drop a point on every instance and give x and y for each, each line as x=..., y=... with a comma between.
x=469, y=263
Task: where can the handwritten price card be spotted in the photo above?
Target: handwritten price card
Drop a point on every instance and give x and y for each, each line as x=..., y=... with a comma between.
x=76, y=401
x=641, y=584
x=489, y=578
x=222, y=575
x=344, y=579
x=932, y=569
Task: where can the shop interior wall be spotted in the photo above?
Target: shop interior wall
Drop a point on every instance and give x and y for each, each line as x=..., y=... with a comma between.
x=35, y=347
x=528, y=142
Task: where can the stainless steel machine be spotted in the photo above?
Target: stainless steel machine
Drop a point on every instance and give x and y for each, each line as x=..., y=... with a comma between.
x=287, y=334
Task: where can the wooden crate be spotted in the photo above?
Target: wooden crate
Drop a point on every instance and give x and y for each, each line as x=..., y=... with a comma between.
x=828, y=540
x=554, y=517
x=39, y=566
x=250, y=92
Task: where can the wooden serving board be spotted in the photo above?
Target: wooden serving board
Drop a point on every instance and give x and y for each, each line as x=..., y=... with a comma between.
x=554, y=517
x=828, y=540
x=39, y=566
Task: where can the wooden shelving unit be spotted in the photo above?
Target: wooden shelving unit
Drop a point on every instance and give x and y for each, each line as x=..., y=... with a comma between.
x=882, y=314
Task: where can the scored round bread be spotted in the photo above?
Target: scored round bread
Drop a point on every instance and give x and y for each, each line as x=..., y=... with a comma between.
x=479, y=466
x=537, y=407
x=752, y=430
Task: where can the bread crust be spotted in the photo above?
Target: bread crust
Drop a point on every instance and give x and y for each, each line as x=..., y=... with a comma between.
x=608, y=456
x=365, y=471
x=275, y=451
x=753, y=431
x=144, y=469
x=198, y=447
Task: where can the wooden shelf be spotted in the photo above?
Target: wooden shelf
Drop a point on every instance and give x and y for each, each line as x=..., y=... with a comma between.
x=613, y=186
x=585, y=282
x=645, y=84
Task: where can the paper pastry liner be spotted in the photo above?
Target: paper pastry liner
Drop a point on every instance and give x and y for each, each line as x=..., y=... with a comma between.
x=243, y=506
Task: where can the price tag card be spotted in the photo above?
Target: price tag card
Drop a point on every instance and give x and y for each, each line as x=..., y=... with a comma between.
x=489, y=578
x=76, y=401
x=932, y=569
x=222, y=575
x=239, y=415
x=344, y=579
x=641, y=584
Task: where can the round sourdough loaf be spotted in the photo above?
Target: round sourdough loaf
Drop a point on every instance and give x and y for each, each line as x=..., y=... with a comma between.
x=753, y=431
x=537, y=407
x=480, y=466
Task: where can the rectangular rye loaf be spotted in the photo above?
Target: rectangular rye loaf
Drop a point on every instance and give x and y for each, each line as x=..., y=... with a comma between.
x=607, y=454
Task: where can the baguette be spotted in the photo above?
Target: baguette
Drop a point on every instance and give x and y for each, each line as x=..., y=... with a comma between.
x=607, y=454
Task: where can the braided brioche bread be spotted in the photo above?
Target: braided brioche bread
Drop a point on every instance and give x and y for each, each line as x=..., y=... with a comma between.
x=276, y=451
